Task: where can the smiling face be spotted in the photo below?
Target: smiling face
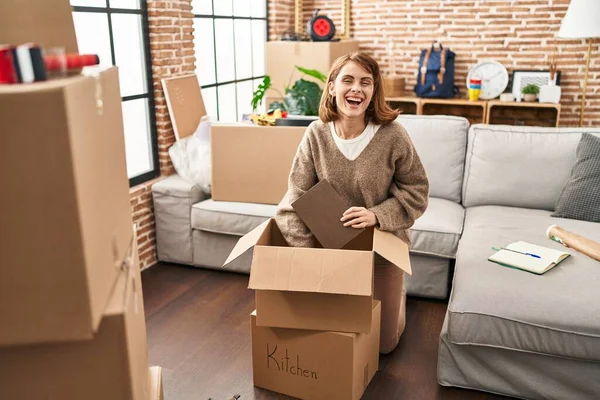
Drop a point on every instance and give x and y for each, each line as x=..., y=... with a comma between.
x=353, y=90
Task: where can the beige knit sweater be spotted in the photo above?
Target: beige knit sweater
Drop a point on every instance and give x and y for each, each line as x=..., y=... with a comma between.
x=386, y=178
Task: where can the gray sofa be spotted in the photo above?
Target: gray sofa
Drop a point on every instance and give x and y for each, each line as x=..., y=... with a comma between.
x=506, y=331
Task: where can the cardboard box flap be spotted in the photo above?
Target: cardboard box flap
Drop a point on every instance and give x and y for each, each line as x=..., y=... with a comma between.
x=185, y=104
x=312, y=270
x=249, y=240
x=321, y=208
x=392, y=249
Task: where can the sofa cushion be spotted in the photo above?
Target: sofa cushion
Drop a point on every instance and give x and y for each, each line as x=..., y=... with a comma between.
x=441, y=143
x=438, y=230
x=230, y=218
x=580, y=198
x=557, y=313
x=518, y=166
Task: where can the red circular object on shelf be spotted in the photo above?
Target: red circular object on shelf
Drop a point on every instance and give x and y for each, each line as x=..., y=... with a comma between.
x=322, y=27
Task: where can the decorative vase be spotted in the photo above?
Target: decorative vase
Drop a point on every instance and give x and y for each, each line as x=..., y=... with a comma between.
x=550, y=93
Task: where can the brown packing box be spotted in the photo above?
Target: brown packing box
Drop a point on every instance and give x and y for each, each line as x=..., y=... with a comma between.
x=250, y=163
x=319, y=289
x=282, y=56
x=315, y=365
x=185, y=104
x=155, y=391
x=65, y=220
x=113, y=365
x=393, y=86
x=48, y=23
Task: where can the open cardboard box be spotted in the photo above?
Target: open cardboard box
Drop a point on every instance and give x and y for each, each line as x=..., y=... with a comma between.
x=315, y=365
x=315, y=288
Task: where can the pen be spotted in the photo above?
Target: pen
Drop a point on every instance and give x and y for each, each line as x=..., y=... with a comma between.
x=515, y=251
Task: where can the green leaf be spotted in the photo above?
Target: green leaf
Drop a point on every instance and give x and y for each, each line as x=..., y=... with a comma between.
x=303, y=98
x=313, y=72
x=277, y=104
x=261, y=90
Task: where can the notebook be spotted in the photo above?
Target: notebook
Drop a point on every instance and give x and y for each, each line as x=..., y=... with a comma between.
x=512, y=256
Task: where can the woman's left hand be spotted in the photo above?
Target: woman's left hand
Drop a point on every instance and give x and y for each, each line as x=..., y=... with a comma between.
x=359, y=217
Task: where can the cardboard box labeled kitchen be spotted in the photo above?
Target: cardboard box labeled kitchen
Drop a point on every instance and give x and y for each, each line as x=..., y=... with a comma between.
x=315, y=365
x=113, y=365
x=318, y=289
x=250, y=163
x=65, y=220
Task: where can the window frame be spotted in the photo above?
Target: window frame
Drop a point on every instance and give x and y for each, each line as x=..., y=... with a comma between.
x=147, y=63
x=235, y=81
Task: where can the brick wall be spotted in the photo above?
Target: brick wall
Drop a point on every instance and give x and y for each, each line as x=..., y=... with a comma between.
x=281, y=17
x=172, y=52
x=520, y=34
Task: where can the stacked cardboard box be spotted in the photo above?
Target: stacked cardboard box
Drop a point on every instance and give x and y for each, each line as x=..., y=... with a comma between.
x=71, y=307
x=315, y=331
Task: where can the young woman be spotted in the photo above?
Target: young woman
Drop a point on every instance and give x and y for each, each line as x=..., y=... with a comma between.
x=371, y=162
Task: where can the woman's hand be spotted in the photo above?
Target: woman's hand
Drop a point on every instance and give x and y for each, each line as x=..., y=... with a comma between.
x=359, y=217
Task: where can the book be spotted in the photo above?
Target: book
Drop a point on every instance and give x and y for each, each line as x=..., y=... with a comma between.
x=529, y=257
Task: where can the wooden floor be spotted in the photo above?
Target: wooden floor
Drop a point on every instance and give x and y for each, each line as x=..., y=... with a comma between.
x=199, y=332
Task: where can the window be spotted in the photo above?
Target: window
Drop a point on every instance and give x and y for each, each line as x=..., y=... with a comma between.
x=117, y=31
x=229, y=41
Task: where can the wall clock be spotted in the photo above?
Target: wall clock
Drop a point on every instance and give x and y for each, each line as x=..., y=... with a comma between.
x=494, y=78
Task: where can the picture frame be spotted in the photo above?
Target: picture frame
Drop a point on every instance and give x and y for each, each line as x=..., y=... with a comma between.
x=341, y=32
x=521, y=78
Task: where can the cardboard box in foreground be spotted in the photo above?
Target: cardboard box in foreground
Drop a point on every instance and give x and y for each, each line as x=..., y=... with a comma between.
x=315, y=365
x=155, y=391
x=251, y=164
x=113, y=365
x=65, y=220
x=318, y=289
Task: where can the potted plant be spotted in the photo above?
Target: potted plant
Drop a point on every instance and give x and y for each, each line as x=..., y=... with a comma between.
x=301, y=99
x=530, y=92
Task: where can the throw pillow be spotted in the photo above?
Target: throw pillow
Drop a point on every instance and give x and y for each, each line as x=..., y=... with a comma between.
x=580, y=198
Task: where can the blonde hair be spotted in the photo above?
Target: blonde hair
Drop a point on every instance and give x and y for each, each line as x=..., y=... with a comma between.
x=378, y=111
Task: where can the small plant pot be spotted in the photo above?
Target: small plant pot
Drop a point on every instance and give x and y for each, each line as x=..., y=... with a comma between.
x=529, y=97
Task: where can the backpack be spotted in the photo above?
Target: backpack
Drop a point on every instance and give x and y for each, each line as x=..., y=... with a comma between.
x=436, y=74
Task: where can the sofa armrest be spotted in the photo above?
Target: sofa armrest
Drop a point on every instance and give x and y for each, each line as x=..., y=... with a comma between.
x=173, y=200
